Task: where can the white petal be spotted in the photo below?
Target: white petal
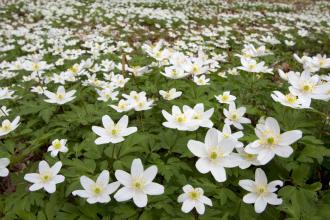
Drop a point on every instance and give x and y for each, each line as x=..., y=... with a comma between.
x=150, y=173
x=136, y=168
x=153, y=189
x=250, y=198
x=260, y=177
x=197, y=148
x=206, y=200
x=265, y=156
x=81, y=193
x=272, y=186
x=187, y=206
x=58, y=179
x=4, y=162
x=248, y=185
x=50, y=187
x=86, y=182
x=283, y=151
x=123, y=177
x=203, y=165
x=187, y=188
x=56, y=167
x=212, y=137
x=43, y=166
x=272, y=124
x=107, y=121
x=272, y=199
x=182, y=197
x=103, y=178
x=99, y=131
x=290, y=137
x=200, y=208
x=123, y=122
x=36, y=187
x=112, y=187
x=140, y=199
x=124, y=194
x=219, y=174
x=102, y=140
x=32, y=177
x=260, y=205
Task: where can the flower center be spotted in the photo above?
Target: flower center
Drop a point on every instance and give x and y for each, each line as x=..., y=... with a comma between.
x=197, y=116
x=114, y=131
x=291, y=98
x=181, y=118
x=57, y=145
x=60, y=96
x=270, y=140
x=194, y=195
x=225, y=98
x=252, y=66
x=73, y=70
x=122, y=106
x=307, y=88
x=213, y=155
x=6, y=126
x=137, y=184
x=97, y=190
x=250, y=156
x=195, y=69
x=35, y=67
x=234, y=116
x=261, y=190
x=46, y=177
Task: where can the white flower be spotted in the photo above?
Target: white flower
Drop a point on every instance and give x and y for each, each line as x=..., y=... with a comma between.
x=4, y=111
x=193, y=198
x=6, y=93
x=38, y=89
x=138, y=101
x=4, y=162
x=178, y=120
x=227, y=134
x=123, y=106
x=225, y=98
x=251, y=65
x=58, y=146
x=271, y=142
x=214, y=155
x=113, y=133
x=60, y=97
x=246, y=159
x=47, y=177
x=138, y=184
x=199, y=117
x=235, y=116
x=261, y=192
x=289, y=100
x=98, y=191
x=173, y=72
x=307, y=87
x=188, y=120
x=171, y=94
x=106, y=94
x=8, y=126
x=202, y=80
x=321, y=61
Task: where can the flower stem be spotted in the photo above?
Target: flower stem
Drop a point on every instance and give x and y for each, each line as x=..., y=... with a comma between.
x=113, y=151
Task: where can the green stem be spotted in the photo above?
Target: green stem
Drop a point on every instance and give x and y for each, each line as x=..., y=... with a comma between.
x=141, y=120
x=113, y=151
